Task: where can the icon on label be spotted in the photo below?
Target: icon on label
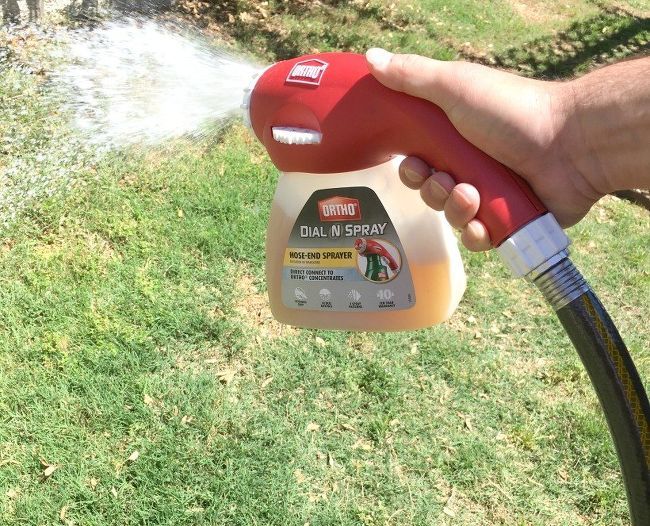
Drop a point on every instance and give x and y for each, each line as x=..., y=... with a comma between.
x=378, y=260
x=354, y=295
x=385, y=294
x=325, y=294
x=300, y=294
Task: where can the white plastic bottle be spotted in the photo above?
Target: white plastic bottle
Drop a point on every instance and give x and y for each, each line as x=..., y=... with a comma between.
x=359, y=251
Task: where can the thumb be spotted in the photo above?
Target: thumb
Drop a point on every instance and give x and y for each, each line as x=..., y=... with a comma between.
x=433, y=80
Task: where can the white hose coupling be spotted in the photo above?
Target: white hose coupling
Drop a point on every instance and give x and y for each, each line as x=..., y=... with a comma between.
x=533, y=245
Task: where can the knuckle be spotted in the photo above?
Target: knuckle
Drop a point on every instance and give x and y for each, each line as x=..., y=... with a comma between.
x=406, y=63
x=404, y=66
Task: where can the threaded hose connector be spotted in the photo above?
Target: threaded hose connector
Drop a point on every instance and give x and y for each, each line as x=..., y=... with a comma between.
x=559, y=281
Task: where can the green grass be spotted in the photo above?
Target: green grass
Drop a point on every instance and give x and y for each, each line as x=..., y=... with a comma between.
x=520, y=35
x=134, y=318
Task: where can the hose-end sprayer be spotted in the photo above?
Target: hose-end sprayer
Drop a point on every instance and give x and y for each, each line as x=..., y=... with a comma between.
x=334, y=133
x=325, y=114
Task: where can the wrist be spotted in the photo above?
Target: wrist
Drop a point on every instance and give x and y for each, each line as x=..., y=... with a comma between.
x=608, y=125
x=578, y=135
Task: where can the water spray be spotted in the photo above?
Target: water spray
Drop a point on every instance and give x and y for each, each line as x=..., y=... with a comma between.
x=139, y=82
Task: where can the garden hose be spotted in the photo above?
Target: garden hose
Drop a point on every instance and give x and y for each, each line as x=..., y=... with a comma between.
x=612, y=373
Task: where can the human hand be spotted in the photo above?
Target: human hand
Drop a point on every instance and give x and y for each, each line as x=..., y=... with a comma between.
x=522, y=123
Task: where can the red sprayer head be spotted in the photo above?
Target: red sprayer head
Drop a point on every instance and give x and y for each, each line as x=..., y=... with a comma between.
x=326, y=113
x=366, y=247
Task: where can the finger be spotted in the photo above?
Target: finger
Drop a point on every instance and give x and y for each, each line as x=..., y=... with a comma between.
x=413, y=171
x=434, y=80
x=475, y=236
x=436, y=190
x=462, y=205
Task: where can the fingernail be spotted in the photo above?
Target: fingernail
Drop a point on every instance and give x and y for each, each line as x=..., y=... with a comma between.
x=412, y=176
x=462, y=197
x=378, y=57
x=437, y=190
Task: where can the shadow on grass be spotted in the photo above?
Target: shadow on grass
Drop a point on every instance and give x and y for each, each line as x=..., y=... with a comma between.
x=638, y=197
x=613, y=34
x=285, y=30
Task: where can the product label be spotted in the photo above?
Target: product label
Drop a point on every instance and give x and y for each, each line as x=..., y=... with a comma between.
x=344, y=254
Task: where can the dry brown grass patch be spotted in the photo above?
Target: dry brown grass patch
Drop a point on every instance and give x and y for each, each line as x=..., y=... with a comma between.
x=542, y=11
x=253, y=307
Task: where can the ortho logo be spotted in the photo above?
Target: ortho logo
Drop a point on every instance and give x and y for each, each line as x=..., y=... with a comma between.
x=308, y=72
x=339, y=209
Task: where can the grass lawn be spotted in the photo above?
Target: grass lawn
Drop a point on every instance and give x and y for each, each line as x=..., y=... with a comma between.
x=144, y=382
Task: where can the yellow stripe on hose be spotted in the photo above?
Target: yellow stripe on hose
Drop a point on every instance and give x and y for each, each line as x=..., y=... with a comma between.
x=624, y=376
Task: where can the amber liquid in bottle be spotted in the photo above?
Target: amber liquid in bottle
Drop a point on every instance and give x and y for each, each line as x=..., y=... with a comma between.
x=427, y=241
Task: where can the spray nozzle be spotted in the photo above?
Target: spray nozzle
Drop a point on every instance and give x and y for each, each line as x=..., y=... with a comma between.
x=248, y=92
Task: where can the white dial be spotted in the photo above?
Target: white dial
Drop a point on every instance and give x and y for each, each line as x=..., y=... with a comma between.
x=287, y=135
